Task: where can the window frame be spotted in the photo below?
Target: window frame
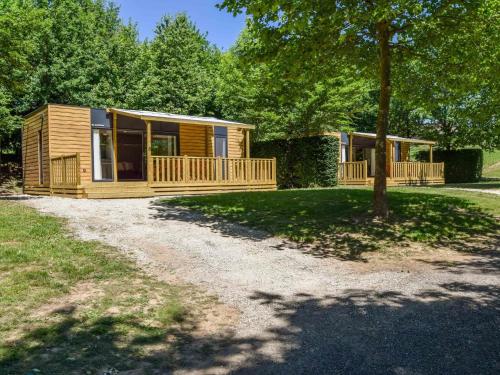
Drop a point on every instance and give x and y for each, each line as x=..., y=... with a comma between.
x=102, y=120
x=107, y=129
x=165, y=135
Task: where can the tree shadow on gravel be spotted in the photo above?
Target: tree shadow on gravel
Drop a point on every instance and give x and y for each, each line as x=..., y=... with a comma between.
x=337, y=222
x=481, y=262
x=452, y=329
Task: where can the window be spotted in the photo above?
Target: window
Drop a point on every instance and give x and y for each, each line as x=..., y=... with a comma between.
x=102, y=154
x=220, y=134
x=397, y=151
x=164, y=145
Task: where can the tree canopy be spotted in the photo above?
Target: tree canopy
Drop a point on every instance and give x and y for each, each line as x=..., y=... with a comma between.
x=380, y=38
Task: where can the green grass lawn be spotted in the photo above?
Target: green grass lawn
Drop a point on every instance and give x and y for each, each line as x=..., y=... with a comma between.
x=337, y=222
x=70, y=306
x=491, y=164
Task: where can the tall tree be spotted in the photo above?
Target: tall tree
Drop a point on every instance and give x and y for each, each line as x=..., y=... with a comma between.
x=83, y=56
x=71, y=51
x=451, y=85
x=180, y=67
x=20, y=25
x=373, y=34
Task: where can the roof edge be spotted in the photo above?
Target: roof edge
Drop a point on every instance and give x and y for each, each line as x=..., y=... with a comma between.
x=396, y=138
x=195, y=120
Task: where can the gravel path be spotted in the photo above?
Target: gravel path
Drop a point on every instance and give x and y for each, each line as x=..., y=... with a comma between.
x=301, y=314
x=487, y=191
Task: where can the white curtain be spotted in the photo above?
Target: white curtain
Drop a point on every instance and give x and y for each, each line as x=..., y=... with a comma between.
x=97, y=154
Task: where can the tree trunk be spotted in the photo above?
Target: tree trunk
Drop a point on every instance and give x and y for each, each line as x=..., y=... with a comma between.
x=380, y=205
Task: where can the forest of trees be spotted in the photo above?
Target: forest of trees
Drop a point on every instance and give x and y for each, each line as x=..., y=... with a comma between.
x=81, y=52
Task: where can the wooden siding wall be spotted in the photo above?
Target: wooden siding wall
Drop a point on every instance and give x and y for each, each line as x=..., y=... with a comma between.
x=192, y=140
x=389, y=152
x=196, y=140
x=32, y=125
x=69, y=134
x=209, y=133
x=405, y=151
x=235, y=143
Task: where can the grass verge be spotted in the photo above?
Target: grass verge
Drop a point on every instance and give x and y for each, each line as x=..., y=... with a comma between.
x=337, y=222
x=71, y=306
x=491, y=164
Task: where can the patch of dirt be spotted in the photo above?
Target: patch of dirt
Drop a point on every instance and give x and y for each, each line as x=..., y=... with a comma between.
x=10, y=243
x=412, y=258
x=79, y=295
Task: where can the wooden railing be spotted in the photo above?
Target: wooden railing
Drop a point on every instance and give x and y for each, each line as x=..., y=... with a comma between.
x=65, y=170
x=417, y=171
x=355, y=171
x=211, y=171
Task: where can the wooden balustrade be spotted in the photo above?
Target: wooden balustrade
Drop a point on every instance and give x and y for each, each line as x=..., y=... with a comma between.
x=407, y=172
x=353, y=171
x=209, y=170
x=65, y=170
x=417, y=171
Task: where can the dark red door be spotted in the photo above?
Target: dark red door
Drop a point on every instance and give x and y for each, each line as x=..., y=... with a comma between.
x=130, y=156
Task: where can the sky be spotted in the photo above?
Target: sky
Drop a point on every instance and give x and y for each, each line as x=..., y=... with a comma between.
x=222, y=28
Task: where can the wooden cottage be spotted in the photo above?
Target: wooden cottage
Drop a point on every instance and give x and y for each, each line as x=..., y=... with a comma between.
x=357, y=161
x=84, y=152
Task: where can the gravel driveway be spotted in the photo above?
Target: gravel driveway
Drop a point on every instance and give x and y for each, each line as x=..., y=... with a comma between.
x=301, y=314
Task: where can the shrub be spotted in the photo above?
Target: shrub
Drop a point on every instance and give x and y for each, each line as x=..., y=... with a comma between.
x=464, y=165
x=302, y=162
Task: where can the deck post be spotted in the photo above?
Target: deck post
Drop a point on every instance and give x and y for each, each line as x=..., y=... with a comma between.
x=247, y=144
x=391, y=158
x=430, y=153
x=218, y=170
x=78, y=173
x=350, y=146
x=247, y=170
x=365, y=170
x=185, y=168
x=149, y=159
x=274, y=177
x=115, y=147
x=213, y=140
x=64, y=170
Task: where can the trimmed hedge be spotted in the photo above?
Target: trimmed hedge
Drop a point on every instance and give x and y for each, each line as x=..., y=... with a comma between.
x=459, y=165
x=302, y=162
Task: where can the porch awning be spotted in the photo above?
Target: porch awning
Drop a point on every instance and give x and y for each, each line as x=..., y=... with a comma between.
x=395, y=138
x=170, y=117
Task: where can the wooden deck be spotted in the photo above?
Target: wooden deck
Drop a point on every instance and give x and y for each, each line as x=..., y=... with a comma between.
x=399, y=173
x=168, y=176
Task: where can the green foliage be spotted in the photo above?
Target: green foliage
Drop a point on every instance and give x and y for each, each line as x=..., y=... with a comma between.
x=297, y=70
x=445, y=58
x=303, y=162
x=451, y=85
x=80, y=52
x=20, y=25
x=464, y=165
x=179, y=68
x=285, y=107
